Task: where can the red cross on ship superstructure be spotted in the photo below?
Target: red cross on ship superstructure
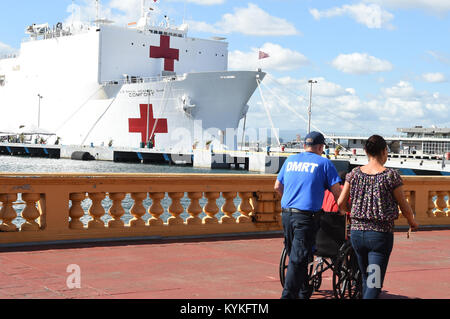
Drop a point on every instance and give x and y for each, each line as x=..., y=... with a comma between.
x=165, y=52
x=147, y=125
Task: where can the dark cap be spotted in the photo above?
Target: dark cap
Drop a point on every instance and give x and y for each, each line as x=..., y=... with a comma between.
x=314, y=138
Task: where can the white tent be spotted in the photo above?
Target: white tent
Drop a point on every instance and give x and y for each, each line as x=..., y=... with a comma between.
x=34, y=130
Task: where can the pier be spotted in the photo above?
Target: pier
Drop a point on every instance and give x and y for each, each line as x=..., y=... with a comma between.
x=221, y=237
x=221, y=268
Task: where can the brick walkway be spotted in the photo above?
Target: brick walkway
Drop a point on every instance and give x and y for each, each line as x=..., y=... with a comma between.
x=220, y=269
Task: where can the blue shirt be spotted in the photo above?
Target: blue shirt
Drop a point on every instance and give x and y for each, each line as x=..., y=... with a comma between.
x=305, y=177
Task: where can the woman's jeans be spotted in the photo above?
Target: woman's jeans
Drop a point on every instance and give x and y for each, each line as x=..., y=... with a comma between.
x=373, y=250
x=299, y=238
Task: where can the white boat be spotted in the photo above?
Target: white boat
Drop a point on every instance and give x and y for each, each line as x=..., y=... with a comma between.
x=131, y=86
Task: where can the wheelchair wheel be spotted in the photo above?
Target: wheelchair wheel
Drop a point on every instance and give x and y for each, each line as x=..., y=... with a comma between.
x=347, y=279
x=284, y=261
x=355, y=284
x=314, y=271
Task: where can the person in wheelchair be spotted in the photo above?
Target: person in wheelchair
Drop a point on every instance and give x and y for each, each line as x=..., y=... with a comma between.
x=302, y=182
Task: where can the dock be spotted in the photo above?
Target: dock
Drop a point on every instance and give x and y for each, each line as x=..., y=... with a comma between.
x=222, y=268
x=185, y=236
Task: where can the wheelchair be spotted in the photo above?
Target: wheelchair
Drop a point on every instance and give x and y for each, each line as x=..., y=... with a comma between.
x=333, y=251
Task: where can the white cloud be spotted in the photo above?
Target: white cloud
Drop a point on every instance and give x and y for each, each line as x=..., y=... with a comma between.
x=403, y=89
x=439, y=56
x=371, y=15
x=345, y=111
x=436, y=6
x=120, y=11
x=281, y=59
x=201, y=2
x=250, y=21
x=6, y=49
x=434, y=77
x=360, y=63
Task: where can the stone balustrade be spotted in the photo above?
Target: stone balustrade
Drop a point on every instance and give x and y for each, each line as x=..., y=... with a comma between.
x=58, y=207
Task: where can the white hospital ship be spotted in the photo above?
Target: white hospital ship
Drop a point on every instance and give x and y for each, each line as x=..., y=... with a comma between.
x=144, y=84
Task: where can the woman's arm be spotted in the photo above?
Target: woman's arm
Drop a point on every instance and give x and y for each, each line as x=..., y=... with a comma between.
x=343, y=199
x=399, y=196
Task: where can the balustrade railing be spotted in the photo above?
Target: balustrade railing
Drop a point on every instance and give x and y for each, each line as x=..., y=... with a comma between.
x=49, y=207
x=74, y=207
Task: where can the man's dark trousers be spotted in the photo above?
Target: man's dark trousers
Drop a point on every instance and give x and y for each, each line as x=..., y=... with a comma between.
x=299, y=238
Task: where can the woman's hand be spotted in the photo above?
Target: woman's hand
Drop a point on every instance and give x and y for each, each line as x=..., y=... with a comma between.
x=414, y=225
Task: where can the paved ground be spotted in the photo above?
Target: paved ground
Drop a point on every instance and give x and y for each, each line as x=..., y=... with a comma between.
x=220, y=269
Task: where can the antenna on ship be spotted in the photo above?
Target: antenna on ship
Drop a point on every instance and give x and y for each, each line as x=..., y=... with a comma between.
x=142, y=8
x=97, y=8
x=73, y=13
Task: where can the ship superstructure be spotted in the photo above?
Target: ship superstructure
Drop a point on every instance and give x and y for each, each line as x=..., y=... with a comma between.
x=144, y=84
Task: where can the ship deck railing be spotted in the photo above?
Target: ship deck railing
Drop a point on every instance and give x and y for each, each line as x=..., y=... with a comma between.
x=136, y=80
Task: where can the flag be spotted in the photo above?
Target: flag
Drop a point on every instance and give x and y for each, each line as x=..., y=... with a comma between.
x=263, y=55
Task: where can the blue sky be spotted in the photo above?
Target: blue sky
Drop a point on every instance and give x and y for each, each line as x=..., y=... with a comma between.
x=380, y=64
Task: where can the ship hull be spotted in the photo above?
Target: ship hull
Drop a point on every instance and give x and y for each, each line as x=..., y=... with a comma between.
x=172, y=114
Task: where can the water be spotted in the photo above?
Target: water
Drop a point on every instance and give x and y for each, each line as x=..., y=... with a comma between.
x=9, y=164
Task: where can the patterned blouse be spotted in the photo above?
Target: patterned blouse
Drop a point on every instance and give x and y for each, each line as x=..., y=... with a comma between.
x=372, y=200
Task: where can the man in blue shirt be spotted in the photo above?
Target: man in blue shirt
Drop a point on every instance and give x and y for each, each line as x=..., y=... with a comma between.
x=302, y=182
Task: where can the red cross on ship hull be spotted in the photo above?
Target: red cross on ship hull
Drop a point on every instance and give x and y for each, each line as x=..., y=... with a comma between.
x=165, y=52
x=147, y=124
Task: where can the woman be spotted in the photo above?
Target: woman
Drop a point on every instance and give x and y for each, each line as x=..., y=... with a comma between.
x=375, y=193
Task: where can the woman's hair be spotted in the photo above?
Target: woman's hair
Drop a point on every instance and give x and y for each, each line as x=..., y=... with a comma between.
x=342, y=175
x=375, y=145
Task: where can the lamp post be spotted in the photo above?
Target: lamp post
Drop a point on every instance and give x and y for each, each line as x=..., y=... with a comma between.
x=310, y=105
x=39, y=110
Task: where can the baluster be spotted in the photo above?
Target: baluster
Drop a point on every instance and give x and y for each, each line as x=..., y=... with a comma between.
x=7, y=213
x=440, y=205
x=96, y=210
x=194, y=209
x=138, y=210
x=211, y=209
x=431, y=205
x=116, y=211
x=30, y=213
x=76, y=211
x=245, y=208
x=228, y=208
x=176, y=209
x=156, y=210
x=448, y=204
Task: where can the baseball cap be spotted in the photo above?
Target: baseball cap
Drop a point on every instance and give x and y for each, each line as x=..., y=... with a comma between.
x=314, y=138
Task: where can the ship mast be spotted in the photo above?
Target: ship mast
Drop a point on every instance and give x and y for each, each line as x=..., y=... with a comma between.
x=97, y=14
x=142, y=8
